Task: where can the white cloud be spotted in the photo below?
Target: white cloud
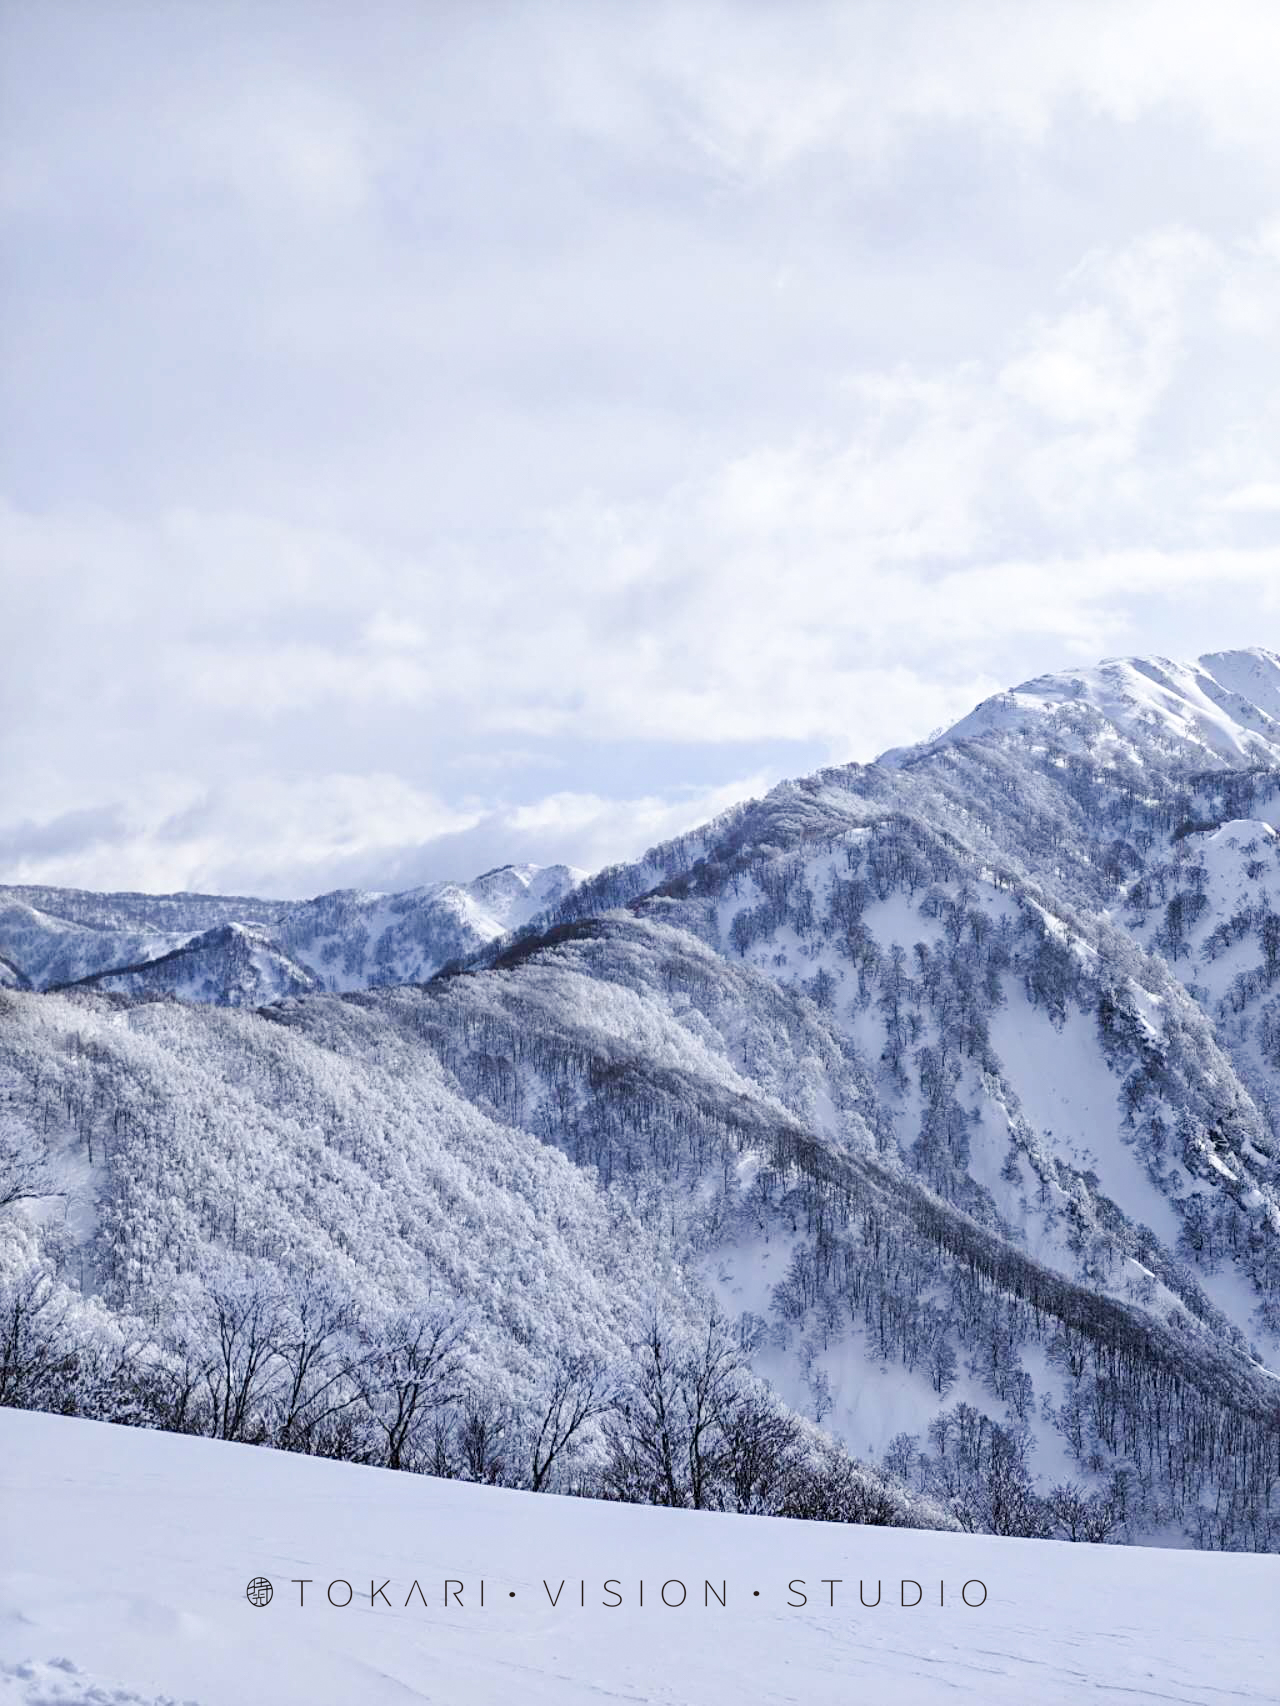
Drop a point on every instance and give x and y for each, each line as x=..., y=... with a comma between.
x=758, y=93
x=271, y=834
x=286, y=839
x=447, y=433
x=1263, y=498
x=841, y=590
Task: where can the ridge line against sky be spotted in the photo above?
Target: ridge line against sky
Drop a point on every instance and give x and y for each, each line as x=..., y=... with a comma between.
x=432, y=439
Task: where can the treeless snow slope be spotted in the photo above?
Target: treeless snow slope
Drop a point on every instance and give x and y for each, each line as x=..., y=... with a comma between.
x=126, y=1556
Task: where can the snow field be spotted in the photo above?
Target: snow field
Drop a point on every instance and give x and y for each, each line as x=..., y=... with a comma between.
x=127, y=1555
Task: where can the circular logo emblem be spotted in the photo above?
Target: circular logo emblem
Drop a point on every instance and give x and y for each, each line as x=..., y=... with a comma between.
x=259, y=1591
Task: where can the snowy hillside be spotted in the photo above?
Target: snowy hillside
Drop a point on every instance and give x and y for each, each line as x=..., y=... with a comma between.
x=1211, y=907
x=43, y=948
x=104, y=1596
x=339, y=941
x=352, y=940
x=234, y=965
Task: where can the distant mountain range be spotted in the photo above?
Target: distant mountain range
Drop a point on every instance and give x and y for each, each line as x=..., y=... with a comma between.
x=245, y=952
x=953, y=1080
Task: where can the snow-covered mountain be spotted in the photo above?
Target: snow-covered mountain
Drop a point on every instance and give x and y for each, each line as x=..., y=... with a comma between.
x=344, y=940
x=126, y=1582
x=948, y=1084
x=1222, y=710
x=352, y=940
x=235, y=965
x=52, y=936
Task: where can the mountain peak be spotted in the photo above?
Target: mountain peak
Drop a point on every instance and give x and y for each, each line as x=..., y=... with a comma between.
x=1220, y=709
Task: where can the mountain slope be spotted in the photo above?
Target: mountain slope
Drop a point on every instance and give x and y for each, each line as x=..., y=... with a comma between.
x=44, y=948
x=976, y=917
x=1211, y=908
x=727, y=1119
x=233, y=965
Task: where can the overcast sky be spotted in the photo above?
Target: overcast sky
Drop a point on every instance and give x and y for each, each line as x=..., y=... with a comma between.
x=435, y=435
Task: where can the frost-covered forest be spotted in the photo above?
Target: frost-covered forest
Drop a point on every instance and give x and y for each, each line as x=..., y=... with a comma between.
x=901, y=1147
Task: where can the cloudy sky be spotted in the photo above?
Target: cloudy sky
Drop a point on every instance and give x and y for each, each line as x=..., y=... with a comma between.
x=436, y=434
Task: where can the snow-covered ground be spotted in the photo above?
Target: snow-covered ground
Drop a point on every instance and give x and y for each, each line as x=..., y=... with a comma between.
x=126, y=1556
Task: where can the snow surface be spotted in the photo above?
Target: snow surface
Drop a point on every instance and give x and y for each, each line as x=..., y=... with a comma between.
x=1071, y=1099
x=127, y=1555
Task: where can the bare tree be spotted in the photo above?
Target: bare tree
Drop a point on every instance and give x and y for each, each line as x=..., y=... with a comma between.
x=24, y=1172
x=37, y=1364
x=669, y=1430
x=763, y=1443
x=246, y=1315
x=416, y=1370
x=646, y=1430
x=712, y=1376
x=577, y=1391
x=485, y=1433
x=1068, y=1505
x=320, y=1358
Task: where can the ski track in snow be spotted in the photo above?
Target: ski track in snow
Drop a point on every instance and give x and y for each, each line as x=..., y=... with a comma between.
x=127, y=1555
